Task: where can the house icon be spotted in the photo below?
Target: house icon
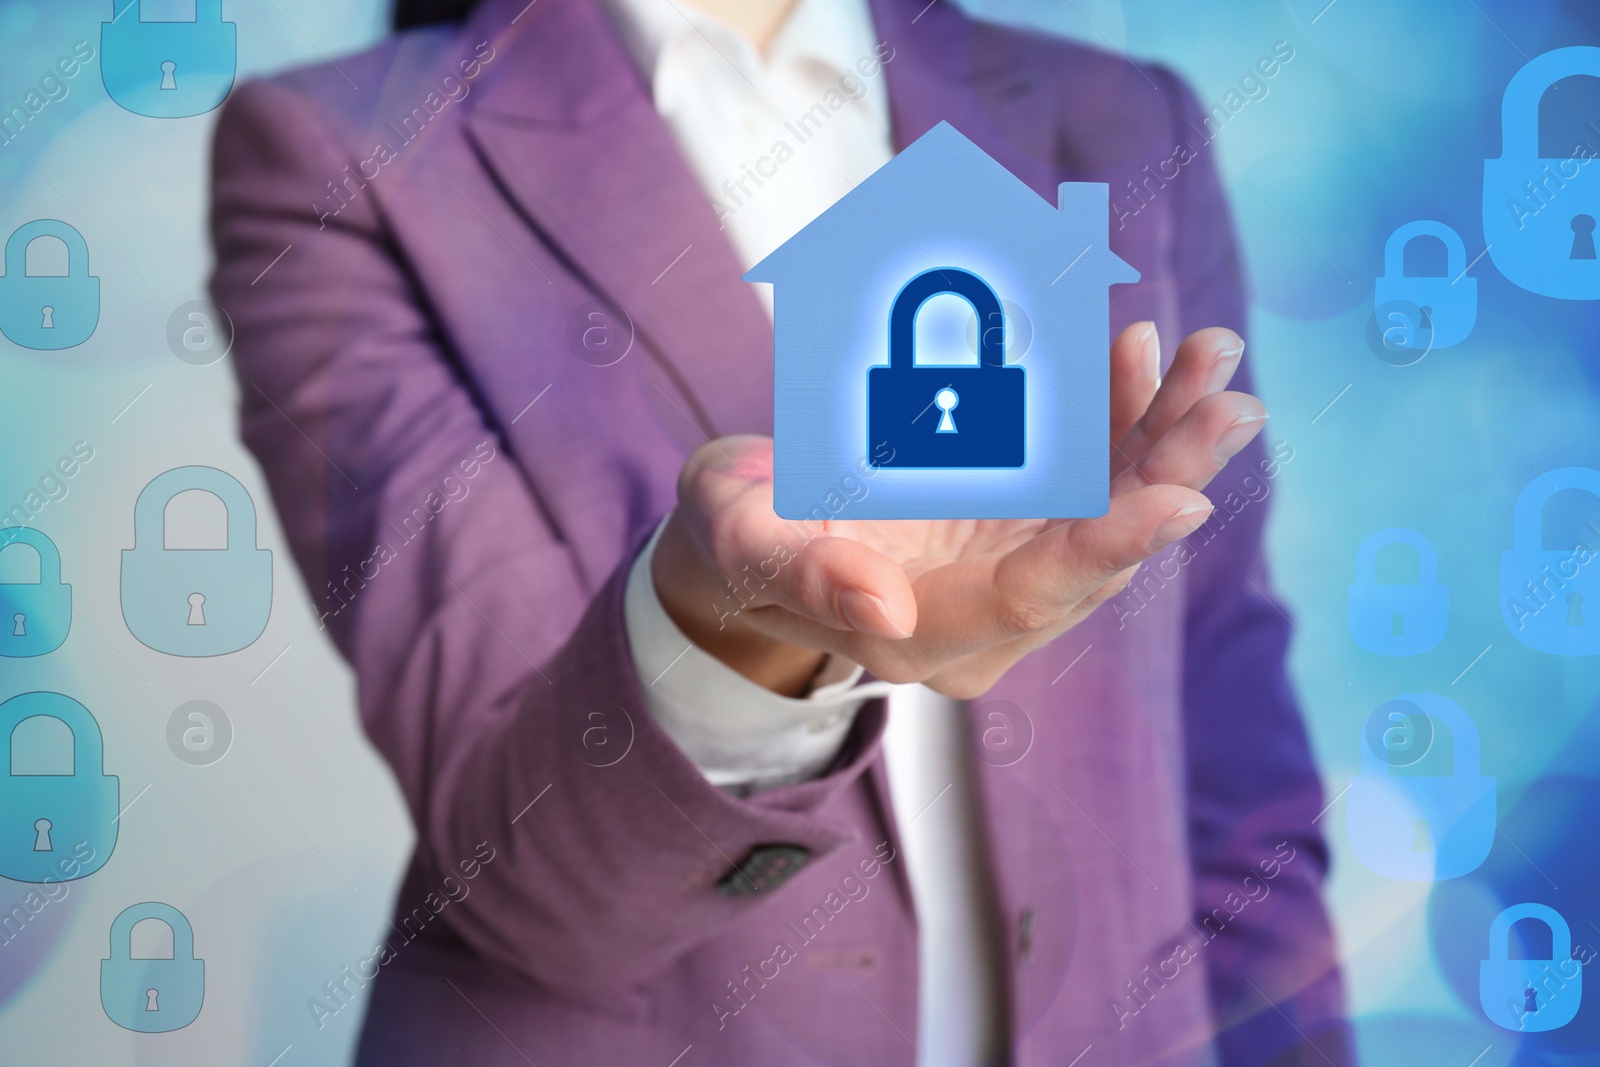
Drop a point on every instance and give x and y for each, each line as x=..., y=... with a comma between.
x=1012, y=423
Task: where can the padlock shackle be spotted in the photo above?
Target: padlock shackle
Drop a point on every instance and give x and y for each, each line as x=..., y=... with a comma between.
x=1527, y=519
x=29, y=232
x=88, y=759
x=1463, y=737
x=1394, y=249
x=49, y=555
x=204, y=10
x=1367, y=555
x=1519, y=108
x=150, y=510
x=122, y=930
x=1500, y=931
x=930, y=283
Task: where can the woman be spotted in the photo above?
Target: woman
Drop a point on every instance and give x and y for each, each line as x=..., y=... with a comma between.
x=511, y=398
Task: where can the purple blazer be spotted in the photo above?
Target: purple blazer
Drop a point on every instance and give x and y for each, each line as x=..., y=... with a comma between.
x=410, y=247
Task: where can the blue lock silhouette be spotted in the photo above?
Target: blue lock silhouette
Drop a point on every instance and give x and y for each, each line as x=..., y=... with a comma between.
x=34, y=616
x=1419, y=828
x=946, y=416
x=168, y=70
x=1539, y=214
x=1530, y=995
x=48, y=312
x=1549, y=596
x=1395, y=619
x=46, y=818
x=195, y=601
x=1451, y=301
x=152, y=996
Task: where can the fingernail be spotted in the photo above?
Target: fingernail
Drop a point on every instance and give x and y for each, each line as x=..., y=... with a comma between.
x=863, y=611
x=1222, y=370
x=1181, y=525
x=1238, y=434
x=1152, y=349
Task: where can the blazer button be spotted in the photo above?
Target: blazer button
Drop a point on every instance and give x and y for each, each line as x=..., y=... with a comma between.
x=765, y=867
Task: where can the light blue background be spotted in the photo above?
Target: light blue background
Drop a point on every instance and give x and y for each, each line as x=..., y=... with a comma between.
x=285, y=854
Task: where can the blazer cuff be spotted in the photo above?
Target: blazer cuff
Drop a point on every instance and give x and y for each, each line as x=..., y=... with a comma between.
x=744, y=738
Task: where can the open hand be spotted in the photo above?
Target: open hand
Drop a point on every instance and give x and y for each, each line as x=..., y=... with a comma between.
x=950, y=603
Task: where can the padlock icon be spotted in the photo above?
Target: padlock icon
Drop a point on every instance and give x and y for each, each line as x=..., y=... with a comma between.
x=48, y=821
x=1539, y=214
x=168, y=70
x=1530, y=995
x=1396, y=619
x=152, y=996
x=946, y=416
x=34, y=616
x=1420, y=828
x=1447, y=306
x=195, y=601
x=48, y=311
x=1547, y=596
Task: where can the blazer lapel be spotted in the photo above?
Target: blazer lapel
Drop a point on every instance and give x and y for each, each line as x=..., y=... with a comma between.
x=572, y=135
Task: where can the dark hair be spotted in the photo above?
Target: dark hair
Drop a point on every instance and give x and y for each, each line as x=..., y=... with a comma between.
x=408, y=13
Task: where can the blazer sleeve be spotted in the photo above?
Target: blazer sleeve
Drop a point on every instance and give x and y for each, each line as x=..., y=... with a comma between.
x=483, y=662
x=1253, y=788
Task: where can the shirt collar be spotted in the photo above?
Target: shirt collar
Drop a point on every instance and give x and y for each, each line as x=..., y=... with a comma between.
x=834, y=33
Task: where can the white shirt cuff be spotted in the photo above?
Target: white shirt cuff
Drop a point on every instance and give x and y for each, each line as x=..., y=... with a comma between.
x=743, y=737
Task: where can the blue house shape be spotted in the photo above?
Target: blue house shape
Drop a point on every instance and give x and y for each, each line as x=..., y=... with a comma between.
x=945, y=205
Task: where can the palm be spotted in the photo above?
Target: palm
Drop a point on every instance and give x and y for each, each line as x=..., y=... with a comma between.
x=924, y=545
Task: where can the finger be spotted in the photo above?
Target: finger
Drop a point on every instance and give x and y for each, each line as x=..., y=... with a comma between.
x=1199, y=444
x=1204, y=363
x=1135, y=374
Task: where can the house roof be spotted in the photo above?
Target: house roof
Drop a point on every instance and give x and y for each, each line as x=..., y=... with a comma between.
x=943, y=184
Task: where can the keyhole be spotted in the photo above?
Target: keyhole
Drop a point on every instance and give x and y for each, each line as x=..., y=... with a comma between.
x=48, y=318
x=150, y=1000
x=1422, y=841
x=1399, y=626
x=1530, y=1000
x=19, y=625
x=1574, y=609
x=1427, y=319
x=168, y=69
x=946, y=399
x=1582, y=237
x=41, y=836
x=197, y=609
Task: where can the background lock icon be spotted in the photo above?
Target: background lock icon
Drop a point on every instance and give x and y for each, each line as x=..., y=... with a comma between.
x=946, y=416
x=1447, y=305
x=34, y=616
x=195, y=601
x=1548, y=596
x=1530, y=995
x=152, y=996
x=1539, y=214
x=48, y=311
x=168, y=70
x=44, y=818
x=1396, y=619
x=1419, y=828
